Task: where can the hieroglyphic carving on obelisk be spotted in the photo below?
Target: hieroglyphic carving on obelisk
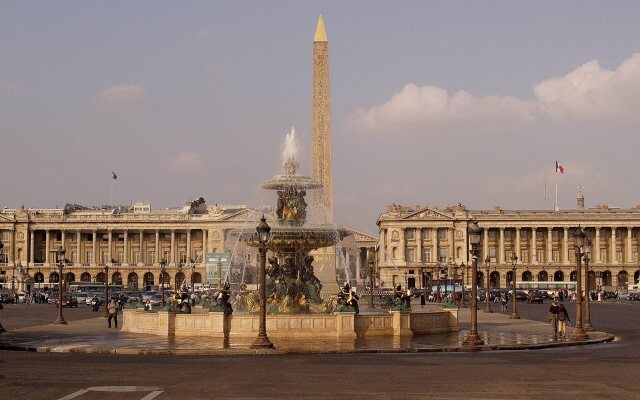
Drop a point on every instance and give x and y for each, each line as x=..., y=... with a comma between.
x=321, y=168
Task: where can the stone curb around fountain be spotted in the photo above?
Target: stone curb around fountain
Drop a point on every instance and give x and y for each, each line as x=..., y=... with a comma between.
x=237, y=352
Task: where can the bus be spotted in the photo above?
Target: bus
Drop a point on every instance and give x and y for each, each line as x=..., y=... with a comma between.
x=90, y=287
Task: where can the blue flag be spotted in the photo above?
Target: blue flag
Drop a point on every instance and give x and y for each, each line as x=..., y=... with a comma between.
x=114, y=176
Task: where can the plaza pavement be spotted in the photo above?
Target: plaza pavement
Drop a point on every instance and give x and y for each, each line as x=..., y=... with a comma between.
x=91, y=335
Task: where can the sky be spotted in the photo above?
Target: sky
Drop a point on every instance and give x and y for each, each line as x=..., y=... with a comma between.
x=433, y=102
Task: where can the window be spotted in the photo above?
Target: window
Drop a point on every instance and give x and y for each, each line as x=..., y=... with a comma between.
x=443, y=254
x=524, y=255
x=426, y=255
x=619, y=254
x=5, y=236
x=507, y=234
x=120, y=256
x=166, y=256
x=89, y=256
x=507, y=255
x=411, y=255
x=492, y=252
x=199, y=256
x=554, y=235
x=634, y=233
x=409, y=234
x=634, y=254
x=555, y=255
x=151, y=257
x=539, y=235
x=74, y=257
x=442, y=234
x=603, y=254
x=182, y=237
x=105, y=257
x=524, y=235
x=492, y=235
x=4, y=258
x=540, y=255
x=182, y=257
x=89, y=237
x=58, y=236
x=136, y=257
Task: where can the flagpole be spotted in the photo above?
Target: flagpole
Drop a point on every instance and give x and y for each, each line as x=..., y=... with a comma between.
x=556, y=208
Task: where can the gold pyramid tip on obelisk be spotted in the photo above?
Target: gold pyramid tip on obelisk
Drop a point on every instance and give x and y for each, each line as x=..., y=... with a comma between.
x=321, y=34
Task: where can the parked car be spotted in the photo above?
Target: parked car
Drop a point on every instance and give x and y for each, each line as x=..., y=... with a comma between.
x=69, y=301
x=133, y=296
x=535, y=297
x=156, y=299
x=82, y=297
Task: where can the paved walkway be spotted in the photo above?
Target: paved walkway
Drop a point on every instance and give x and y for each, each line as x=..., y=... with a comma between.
x=92, y=336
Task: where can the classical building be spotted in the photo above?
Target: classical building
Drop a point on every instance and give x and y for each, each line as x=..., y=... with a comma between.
x=130, y=241
x=420, y=245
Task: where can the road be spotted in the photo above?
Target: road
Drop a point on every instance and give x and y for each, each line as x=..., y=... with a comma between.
x=587, y=372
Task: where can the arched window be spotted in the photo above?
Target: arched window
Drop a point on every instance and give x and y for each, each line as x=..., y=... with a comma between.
x=526, y=276
x=558, y=276
x=543, y=276
x=85, y=277
x=54, y=277
x=132, y=280
x=179, y=279
x=481, y=280
x=100, y=277
x=573, y=276
x=38, y=277
x=494, y=279
x=148, y=279
x=623, y=278
x=116, y=278
x=197, y=277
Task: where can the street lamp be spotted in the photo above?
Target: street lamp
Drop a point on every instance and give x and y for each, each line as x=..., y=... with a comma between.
x=514, y=301
x=106, y=291
x=1, y=250
x=487, y=307
x=264, y=233
x=578, y=241
x=463, y=273
x=372, y=272
x=219, y=273
x=473, y=232
x=60, y=318
x=587, y=308
x=193, y=276
x=163, y=266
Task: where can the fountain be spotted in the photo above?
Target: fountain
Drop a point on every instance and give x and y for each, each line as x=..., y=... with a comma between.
x=292, y=286
x=294, y=305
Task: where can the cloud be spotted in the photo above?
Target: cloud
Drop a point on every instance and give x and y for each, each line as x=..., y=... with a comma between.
x=120, y=94
x=186, y=163
x=586, y=94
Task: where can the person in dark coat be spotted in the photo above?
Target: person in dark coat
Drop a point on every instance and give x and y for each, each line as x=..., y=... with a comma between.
x=422, y=299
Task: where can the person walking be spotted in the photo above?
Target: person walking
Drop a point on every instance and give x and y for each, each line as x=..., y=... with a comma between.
x=113, y=312
x=553, y=316
x=563, y=318
x=422, y=299
x=503, y=302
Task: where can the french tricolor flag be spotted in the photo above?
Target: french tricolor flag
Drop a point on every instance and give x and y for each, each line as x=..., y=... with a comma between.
x=559, y=168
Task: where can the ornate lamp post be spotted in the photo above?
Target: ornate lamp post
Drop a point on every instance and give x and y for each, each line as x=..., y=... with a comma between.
x=106, y=291
x=487, y=307
x=437, y=272
x=219, y=273
x=1, y=249
x=473, y=340
x=463, y=274
x=587, y=310
x=514, y=300
x=372, y=272
x=578, y=241
x=193, y=277
x=264, y=233
x=163, y=267
x=60, y=318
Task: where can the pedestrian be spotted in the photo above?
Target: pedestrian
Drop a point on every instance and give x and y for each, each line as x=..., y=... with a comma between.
x=503, y=302
x=553, y=316
x=422, y=299
x=113, y=312
x=563, y=318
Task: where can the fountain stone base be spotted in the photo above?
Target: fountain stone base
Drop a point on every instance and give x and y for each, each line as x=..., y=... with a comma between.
x=338, y=325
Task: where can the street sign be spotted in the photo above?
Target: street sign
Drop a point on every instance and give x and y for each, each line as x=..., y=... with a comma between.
x=217, y=267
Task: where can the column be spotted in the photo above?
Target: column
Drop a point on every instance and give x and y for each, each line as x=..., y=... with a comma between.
x=597, y=247
x=109, y=255
x=549, y=244
x=358, y=262
x=205, y=247
x=13, y=246
x=158, y=257
x=518, y=244
x=78, y=238
x=613, y=245
x=565, y=247
x=452, y=243
x=173, y=247
x=32, y=248
x=383, y=244
x=485, y=244
x=125, y=259
x=501, y=247
x=62, y=239
x=534, y=238
x=189, y=258
x=46, y=247
x=628, y=248
x=95, y=247
x=435, y=256
x=402, y=245
x=419, y=245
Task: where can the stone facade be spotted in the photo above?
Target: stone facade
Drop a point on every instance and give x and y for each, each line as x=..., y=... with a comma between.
x=419, y=245
x=130, y=241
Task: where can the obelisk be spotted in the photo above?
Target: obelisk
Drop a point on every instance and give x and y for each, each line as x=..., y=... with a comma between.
x=321, y=124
